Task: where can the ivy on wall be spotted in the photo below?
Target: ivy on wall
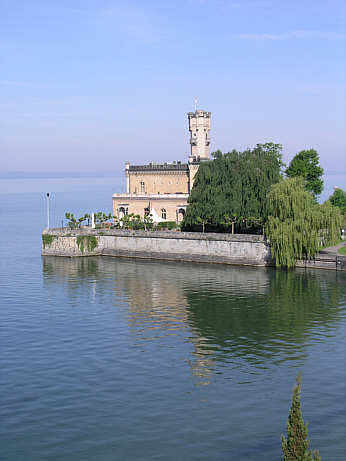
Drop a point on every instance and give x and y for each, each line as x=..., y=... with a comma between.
x=47, y=239
x=89, y=241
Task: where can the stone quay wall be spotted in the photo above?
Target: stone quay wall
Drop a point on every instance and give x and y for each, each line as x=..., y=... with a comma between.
x=182, y=246
x=239, y=249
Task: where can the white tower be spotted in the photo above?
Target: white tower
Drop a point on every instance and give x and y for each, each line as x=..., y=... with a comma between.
x=199, y=126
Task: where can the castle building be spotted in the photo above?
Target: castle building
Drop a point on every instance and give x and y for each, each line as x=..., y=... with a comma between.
x=162, y=189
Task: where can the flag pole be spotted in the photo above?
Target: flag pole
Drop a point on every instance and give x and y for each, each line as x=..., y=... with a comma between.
x=47, y=210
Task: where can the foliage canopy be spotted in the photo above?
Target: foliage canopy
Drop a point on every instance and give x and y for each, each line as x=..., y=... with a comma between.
x=296, y=225
x=338, y=199
x=306, y=165
x=232, y=189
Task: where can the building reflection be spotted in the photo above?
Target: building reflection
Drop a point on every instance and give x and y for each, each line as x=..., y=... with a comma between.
x=226, y=313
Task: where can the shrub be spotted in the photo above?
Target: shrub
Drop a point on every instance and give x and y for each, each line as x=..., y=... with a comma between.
x=166, y=225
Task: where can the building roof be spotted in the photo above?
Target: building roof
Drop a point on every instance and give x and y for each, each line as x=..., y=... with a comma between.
x=176, y=166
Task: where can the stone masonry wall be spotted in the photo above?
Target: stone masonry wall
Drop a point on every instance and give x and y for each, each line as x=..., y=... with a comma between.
x=241, y=249
x=182, y=246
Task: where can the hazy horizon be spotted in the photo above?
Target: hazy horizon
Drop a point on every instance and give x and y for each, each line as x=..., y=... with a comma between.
x=106, y=182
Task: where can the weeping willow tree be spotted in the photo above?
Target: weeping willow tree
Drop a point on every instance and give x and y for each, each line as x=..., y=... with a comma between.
x=296, y=226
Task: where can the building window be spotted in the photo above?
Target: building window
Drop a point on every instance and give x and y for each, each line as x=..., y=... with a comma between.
x=163, y=213
x=181, y=214
x=142, y=187
x=146, y=211
x=123, y=211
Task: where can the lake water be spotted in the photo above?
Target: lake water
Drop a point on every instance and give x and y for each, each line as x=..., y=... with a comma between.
x=119, y=359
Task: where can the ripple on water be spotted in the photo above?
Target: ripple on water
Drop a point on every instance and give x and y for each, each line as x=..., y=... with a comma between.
x=131, y=359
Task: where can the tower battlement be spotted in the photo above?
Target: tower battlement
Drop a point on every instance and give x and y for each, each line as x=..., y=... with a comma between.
x=199, y=113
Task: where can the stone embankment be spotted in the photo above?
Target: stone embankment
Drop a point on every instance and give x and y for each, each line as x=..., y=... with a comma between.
x=241, y=249
x=183, y=246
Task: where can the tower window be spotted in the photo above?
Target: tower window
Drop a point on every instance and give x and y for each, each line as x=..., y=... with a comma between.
x=163, y=213
x=142, y=187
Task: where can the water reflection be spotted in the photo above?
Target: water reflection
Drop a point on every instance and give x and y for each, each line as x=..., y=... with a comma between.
x=270, y=327
x=235, y=315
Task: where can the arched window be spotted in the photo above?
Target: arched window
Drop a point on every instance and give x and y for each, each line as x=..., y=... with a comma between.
x=146, y=211
x=181, y=214
x=121, y=212
x=163, y=213
x=142, y=187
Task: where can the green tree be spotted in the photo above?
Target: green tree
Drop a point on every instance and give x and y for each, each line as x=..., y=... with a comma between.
x=296, y=225
x=124, y=222
x=148, y=221
x=234, y=185
x=116, y=222
x=306, y=165
x=338, y=199
x=217, y=154
x=72, y=221
x=101, y=218
x=296, y=446
x=82, y=219
x=203, y=221
x=136, y=222
x=229, y=221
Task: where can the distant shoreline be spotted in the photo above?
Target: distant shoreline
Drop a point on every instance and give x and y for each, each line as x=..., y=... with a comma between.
x=59, y=175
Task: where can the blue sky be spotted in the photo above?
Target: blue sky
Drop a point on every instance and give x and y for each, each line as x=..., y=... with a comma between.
x=86, y=85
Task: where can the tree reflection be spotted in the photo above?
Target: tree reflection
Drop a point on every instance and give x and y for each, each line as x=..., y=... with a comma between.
x=63, y=267
x=227, y=313
x=270, y=325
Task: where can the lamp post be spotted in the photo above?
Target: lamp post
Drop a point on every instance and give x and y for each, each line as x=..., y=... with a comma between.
x=47, y=210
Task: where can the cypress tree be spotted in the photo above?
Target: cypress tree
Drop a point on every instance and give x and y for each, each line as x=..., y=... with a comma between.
x=296, y=446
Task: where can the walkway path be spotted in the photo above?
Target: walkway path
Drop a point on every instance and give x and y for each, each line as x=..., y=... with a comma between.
x=333, y=250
